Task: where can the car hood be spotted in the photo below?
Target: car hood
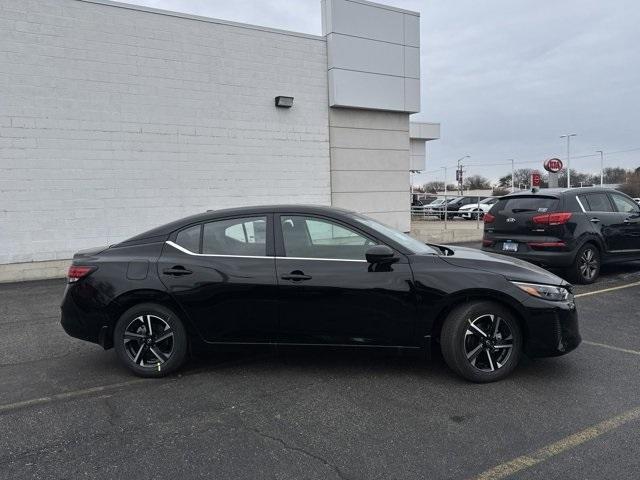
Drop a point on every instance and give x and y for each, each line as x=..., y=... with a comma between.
x=509, y=267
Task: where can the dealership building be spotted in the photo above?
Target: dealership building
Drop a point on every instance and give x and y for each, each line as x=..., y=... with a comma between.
x=115, y=118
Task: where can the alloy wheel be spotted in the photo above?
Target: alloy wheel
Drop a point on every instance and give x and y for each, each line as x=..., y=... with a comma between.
x=588, y=264
x=148, y=341
x=488, y=342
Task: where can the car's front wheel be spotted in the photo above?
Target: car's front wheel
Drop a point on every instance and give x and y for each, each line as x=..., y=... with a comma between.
x=150, y=340
x=586, y=267
x=481, y=341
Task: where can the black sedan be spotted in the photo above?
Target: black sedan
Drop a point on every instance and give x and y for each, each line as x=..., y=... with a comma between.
x=311, y=275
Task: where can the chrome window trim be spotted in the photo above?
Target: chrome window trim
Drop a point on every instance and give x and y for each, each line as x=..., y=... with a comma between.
x=327, y=259
x=189, y=252
x=580, y=203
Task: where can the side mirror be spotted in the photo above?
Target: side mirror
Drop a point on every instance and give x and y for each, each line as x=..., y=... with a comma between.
x=380, y=254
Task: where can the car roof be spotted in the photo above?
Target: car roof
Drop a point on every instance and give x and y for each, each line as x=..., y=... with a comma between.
x=558, y=192
x=163, y=231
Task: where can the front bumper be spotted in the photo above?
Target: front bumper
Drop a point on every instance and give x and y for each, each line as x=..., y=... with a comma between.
x=551, y=328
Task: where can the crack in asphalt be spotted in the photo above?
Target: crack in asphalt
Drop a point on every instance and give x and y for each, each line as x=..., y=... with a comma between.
x=293, y=448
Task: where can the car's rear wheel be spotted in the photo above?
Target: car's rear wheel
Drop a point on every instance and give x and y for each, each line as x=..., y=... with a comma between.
x=150, y=340
x=481, y=341
x=586, y=267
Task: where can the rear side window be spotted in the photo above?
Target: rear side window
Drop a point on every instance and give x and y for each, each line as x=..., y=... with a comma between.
x=596, y=202
x=189, y=238
x=535, y=204
x=624, y=204
x=237, y=236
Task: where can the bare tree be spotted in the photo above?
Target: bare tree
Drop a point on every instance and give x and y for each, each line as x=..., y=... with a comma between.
x=477, y=182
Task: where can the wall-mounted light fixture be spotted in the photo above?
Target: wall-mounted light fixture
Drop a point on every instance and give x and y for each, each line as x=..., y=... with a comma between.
x=284, y=102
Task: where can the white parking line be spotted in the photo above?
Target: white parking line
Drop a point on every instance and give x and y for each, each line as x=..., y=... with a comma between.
x=567, y=443
x=66, y=395
x=604, y=290
x=611, y=347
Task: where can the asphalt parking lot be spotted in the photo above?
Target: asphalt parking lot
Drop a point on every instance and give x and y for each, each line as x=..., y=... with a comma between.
x=69, y=410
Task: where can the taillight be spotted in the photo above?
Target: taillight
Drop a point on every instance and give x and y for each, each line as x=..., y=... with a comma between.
x=76, y=272
x=543, y=245
x=557, y=218
x=488, y=218
x=487, y=243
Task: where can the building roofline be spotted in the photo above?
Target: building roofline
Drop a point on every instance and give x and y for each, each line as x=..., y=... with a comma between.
x=386, y=7
x=199, y=18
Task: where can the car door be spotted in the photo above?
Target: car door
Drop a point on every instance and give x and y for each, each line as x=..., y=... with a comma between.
x=222, y=273
x=605, y=220
x=629, y=222
x=329, y=293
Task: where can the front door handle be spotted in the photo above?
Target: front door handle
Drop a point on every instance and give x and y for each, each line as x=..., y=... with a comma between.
x=296, y=276
x=177, y=271
x=595, y=220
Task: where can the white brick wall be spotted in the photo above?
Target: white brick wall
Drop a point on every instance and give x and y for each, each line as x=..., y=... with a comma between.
x=114, y=120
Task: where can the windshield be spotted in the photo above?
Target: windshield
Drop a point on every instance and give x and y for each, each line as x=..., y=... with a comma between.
x=410, y=243
x=437, y=201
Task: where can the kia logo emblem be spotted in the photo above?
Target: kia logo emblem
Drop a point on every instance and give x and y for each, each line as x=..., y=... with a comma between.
x=511, y=219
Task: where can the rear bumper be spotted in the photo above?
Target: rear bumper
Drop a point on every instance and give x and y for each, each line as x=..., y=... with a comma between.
x=557, y=259
x=552, y=330
x=80, y=320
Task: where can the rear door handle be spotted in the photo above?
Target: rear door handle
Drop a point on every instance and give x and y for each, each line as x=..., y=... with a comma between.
x=627, y=220
x=296, y=276
x=595, y=220
x=177, y=271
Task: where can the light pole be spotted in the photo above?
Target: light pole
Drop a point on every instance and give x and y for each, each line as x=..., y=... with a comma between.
x=513, y=177
x=568, y=137
x=601, y=166
x=445, y=197
x=460, y=173
x=445, y=181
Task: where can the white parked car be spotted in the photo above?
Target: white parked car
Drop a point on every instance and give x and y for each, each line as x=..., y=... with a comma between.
x=471, y=210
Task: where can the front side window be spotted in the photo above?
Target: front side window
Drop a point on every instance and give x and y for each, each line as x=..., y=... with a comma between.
x=623, y=204
x=597, y=202
x=237, y=236
x=310, y=237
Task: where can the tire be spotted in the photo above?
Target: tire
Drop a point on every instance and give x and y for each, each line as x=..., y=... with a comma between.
x=586, y=266
x=476, y=357
x=154, y=353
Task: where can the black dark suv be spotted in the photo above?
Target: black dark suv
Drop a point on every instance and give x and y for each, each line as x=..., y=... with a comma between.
x=577, y=229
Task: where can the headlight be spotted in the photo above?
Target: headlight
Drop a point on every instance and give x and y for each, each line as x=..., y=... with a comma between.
x=547, y=292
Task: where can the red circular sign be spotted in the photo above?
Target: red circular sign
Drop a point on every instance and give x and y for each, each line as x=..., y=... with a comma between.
x=553, y=165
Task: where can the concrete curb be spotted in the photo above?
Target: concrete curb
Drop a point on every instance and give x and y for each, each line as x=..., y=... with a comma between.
x=20, y=272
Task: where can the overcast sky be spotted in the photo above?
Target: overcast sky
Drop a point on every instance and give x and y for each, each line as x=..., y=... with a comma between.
x=505, y=78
